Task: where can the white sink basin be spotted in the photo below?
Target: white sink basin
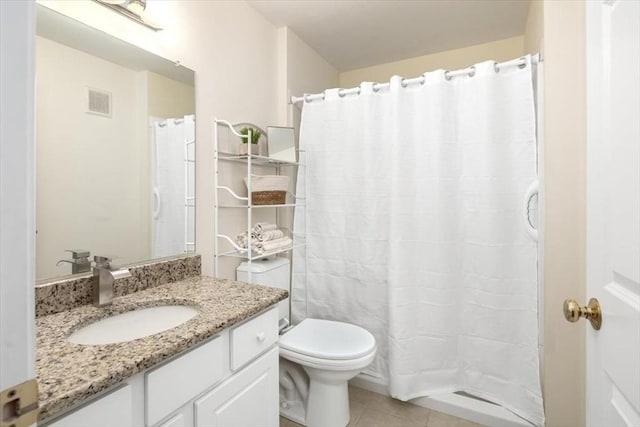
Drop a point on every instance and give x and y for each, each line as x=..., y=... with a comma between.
x=132, y=325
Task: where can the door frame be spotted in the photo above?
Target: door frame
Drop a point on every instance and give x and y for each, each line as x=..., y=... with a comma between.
x=17, y=193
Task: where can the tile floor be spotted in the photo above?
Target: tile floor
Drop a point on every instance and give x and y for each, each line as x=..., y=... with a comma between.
x=374, y=410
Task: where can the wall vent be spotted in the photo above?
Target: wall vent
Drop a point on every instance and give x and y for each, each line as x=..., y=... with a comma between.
x=98, y=102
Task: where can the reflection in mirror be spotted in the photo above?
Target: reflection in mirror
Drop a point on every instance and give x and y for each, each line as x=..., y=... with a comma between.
x=115, y=141
x=282, y=145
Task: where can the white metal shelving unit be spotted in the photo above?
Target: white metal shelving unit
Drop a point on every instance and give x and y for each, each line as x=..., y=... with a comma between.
x=244, y=202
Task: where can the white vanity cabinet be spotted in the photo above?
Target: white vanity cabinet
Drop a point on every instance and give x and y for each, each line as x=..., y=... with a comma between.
x=201, y=387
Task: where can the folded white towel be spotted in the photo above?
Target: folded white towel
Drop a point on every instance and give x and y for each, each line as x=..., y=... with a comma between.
x=261, y=227
x=277, y=244
x=268, y=235
x=266, y=241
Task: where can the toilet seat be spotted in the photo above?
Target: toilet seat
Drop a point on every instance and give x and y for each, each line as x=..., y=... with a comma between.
x=328, y=344
x=328, y=339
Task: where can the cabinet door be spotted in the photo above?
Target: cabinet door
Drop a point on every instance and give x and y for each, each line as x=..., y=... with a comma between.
x=175, y=383
x=177, y=420
x=112, y=410
x=247, y=399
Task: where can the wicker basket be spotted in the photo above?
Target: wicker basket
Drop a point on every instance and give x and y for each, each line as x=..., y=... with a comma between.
x=268, y=189
x=268, y=197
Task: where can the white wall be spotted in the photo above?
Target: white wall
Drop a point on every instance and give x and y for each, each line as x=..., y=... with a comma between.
x=305, y=72
x=101, y=209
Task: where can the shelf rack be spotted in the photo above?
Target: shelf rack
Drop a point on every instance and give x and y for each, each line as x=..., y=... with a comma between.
x=244, y=202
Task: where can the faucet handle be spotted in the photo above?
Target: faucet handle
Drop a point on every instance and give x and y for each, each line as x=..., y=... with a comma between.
x=78, y=253
x=102, y=261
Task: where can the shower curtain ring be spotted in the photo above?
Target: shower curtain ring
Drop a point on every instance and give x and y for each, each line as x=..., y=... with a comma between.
x=495, y=67
x=403, y=83
x=473, y=71
x=447, y=76
x=524, y=64
x=341, y=93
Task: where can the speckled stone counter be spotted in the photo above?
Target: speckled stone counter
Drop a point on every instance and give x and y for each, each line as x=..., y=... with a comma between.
x=70, y=373
x=65, y=293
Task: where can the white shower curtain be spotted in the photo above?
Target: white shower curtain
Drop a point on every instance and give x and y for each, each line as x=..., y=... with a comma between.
x=415, y=230
x=172, y=182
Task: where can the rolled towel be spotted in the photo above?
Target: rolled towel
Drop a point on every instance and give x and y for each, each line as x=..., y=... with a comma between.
x=242, y=239
x=268, y=235
x=261, y=227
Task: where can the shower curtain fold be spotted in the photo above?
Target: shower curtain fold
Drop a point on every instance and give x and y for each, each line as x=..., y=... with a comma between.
x=172, y=181
x=414, y=200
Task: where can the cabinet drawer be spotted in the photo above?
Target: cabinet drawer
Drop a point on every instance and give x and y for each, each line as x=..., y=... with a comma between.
x=114, y=409
x=253, y=337
x=171, y=385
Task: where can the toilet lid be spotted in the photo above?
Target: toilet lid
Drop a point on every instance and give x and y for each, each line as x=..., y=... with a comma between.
x=326, y=339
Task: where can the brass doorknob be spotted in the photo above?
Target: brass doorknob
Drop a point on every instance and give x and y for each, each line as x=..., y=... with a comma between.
x=574, y=311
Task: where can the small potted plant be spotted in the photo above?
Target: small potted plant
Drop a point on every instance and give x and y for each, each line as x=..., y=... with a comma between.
x=256, y=134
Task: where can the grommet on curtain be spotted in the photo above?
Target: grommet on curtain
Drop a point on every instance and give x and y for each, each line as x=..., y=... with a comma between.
x=495, y=67
x=423, y=81
x=473, y=71
x=403, y=83
x=375, y=87
x=341, y=94
x=447, y=76
x=524, y=64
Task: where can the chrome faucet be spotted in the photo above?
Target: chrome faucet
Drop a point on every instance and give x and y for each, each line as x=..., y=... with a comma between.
x=103, y=277
x=79, y=261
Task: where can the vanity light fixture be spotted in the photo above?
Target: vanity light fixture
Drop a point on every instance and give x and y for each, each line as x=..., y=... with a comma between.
x=132, y=9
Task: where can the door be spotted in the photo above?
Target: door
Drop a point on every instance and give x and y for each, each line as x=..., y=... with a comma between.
x=613, y=211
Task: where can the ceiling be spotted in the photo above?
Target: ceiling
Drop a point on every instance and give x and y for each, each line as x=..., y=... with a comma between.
x=352, y=34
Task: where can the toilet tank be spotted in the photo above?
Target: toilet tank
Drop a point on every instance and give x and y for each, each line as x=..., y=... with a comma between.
x=269, y=272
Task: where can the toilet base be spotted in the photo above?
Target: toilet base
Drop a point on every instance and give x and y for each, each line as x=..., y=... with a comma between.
x=292, y=410
x=328, y=404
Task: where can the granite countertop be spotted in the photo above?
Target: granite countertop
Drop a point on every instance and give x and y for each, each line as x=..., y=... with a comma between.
x=70, y=373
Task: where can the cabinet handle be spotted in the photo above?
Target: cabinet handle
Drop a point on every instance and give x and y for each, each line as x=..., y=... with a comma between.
x=260, y=336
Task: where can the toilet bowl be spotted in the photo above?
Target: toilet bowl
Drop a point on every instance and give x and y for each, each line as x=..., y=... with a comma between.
x=317, y=357
x=330, y=353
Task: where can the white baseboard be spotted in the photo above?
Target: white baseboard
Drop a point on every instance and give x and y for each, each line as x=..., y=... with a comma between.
x=370, y=383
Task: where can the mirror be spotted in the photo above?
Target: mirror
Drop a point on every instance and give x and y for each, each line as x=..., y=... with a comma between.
x=115, y=150
x=282, y=144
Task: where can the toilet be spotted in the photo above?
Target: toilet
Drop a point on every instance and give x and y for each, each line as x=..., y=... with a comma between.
x=317, y=357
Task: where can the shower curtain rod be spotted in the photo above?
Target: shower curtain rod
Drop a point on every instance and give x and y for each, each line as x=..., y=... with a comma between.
x=520, y=62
